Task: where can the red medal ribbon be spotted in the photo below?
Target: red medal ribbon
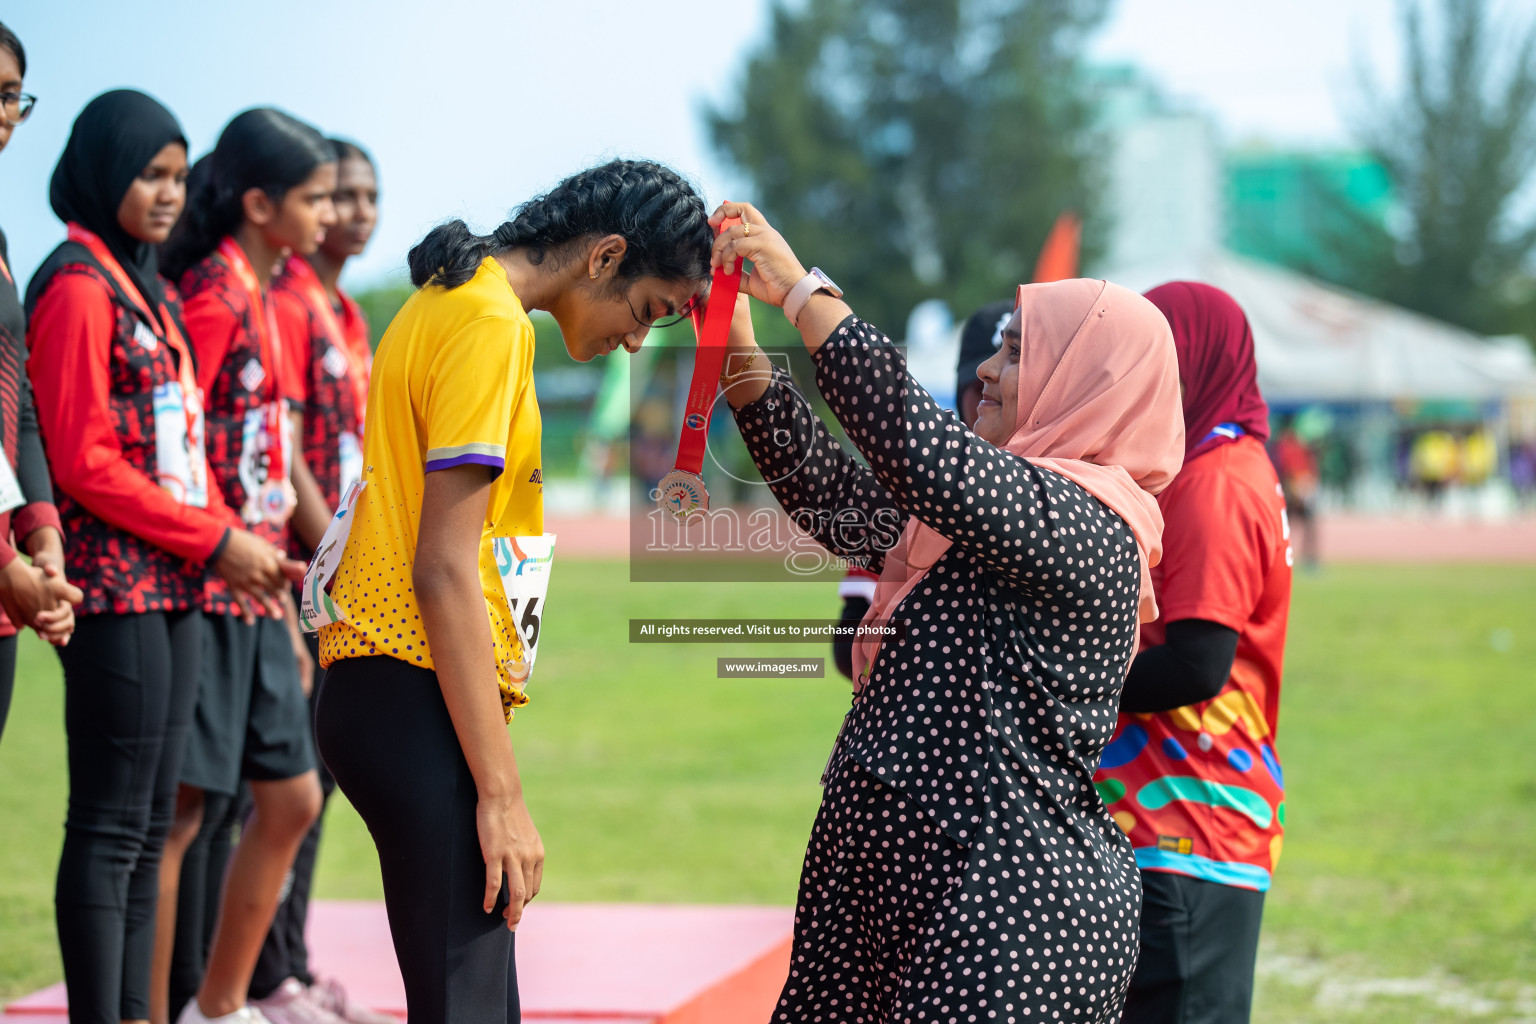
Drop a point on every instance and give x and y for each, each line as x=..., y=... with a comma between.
x=714, y=334
x=320, y=304
x=191, y=397
x=266, y=331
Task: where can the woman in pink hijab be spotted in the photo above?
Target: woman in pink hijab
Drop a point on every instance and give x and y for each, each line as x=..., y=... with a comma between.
x=962, y=866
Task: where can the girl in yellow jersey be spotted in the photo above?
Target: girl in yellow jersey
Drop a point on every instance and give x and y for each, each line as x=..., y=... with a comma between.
x=411, y=716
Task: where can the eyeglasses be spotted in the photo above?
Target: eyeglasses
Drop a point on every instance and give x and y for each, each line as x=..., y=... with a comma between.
x=677, y=318
x=17, y=106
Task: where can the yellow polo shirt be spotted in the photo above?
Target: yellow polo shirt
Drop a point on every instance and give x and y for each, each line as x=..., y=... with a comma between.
x=452, y=385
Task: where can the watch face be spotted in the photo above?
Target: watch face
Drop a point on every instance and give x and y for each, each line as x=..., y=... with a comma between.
x=827, y=283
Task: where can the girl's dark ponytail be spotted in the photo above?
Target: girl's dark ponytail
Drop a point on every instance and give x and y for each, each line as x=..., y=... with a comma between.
x=661, y=217
x=450, y=254
x=261, y=148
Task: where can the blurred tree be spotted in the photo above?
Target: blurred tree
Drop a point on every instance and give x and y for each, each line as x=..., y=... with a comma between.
x=1458, y=141
x=380, y=304
x=917, y=149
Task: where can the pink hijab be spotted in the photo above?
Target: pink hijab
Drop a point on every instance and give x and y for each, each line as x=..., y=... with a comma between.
x=1098, y=404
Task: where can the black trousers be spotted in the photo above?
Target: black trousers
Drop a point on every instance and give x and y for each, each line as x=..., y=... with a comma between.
x=130, y=682
x=7, y=677
x=1199, y=941
x=385, y=733
x=285, y=954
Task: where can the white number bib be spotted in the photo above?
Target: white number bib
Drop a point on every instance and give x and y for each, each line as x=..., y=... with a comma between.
x=266, y=499
x=181, y=465
x=316, y=608
x=525, y=564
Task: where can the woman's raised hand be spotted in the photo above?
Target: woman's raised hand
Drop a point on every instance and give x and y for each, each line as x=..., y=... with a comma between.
x=775, y=268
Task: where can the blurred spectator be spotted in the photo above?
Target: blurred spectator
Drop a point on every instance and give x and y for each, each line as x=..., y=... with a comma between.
x=1522, y=471
x=1432, y=462
x=1479, y=458
x=650, y=447
x=1336, y=462
x=1296, y=464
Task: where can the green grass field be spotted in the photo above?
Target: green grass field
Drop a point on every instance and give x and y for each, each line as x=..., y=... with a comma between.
x=1406, y=891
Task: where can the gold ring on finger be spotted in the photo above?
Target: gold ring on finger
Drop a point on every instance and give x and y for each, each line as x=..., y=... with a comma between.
x=746, y=229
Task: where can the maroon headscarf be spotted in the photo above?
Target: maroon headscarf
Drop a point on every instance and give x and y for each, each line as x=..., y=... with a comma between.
x=1215, y=347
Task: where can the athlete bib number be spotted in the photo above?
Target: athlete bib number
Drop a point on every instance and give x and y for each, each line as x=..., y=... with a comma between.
x=316, y=608
x=525, y=564
x=266, y=444
x=181, y=466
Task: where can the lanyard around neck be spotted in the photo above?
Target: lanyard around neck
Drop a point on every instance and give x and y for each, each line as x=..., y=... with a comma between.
x=266, y=334
x=165, y=330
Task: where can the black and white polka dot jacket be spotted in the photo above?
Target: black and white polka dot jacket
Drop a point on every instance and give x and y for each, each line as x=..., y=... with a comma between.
x=1003, y=690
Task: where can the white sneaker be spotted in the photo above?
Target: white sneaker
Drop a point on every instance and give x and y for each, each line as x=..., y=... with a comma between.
x=329, y=994
x=290, y=1003
x=193, y=1014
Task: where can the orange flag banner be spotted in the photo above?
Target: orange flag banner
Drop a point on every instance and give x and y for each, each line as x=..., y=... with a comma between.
x=1058, y=257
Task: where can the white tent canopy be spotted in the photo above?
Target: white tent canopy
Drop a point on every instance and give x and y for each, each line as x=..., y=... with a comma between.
x=1315, y=342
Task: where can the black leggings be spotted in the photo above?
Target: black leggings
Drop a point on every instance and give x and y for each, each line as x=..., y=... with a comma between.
x=385, y=734
x=130, y=682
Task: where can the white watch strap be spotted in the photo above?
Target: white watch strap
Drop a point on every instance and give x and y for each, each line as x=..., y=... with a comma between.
x=799, y=295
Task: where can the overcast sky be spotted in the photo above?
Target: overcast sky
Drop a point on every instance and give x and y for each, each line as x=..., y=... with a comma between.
x=470, y=107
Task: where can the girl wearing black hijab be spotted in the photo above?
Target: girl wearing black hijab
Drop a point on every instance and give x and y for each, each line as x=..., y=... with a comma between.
x=29, y=594
x=121, y=421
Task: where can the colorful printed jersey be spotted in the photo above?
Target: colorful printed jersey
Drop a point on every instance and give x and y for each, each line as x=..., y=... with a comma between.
x=452, y=386
x=96, y=365
x=1199, y=789
x=239, y=389
x=19, y=441
x=330, y=356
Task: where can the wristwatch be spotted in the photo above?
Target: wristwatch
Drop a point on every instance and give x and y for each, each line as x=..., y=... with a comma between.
x=807, y=286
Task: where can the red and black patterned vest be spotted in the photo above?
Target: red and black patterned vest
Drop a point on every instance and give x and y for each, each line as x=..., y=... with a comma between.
x=240, y=381
x=119, y=572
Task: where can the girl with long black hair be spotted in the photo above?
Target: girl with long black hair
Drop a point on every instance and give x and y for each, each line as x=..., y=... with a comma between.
x=423, y=679
x=263, y=193
x=118, y=406
x=29, y=594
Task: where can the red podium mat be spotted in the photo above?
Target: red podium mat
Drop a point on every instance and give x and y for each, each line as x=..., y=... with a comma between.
x=593, y=963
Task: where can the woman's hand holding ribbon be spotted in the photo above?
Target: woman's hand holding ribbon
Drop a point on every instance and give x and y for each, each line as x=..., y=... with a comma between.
x=775, y=269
